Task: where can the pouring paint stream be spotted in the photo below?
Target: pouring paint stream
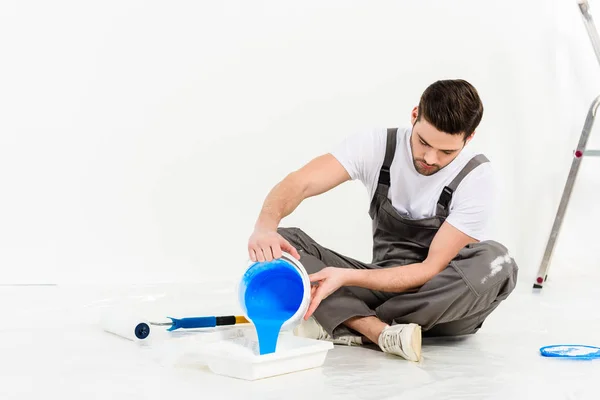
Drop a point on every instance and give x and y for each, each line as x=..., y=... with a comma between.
x=274, y=292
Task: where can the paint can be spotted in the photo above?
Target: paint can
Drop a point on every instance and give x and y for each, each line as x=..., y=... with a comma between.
x=281, y=285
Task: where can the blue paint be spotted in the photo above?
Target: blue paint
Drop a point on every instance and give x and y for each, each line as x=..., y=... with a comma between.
x=274, y=292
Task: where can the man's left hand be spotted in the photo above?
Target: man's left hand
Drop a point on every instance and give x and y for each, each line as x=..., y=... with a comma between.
x=327, y=280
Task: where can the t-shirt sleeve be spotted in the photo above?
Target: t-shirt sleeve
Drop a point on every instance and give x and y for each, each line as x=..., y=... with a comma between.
x=473, y=203
x=362, y=155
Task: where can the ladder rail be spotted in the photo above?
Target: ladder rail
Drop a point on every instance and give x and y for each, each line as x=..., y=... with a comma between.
x=542, y=273
x=590, y=27
x=580, y=152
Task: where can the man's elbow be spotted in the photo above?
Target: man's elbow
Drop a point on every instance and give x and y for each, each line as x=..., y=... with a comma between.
x=434, y=267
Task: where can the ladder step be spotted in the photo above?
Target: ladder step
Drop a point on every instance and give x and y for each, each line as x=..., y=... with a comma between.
x=592, y=153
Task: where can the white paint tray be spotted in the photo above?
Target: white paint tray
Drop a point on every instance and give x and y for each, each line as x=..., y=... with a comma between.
x=238, y=356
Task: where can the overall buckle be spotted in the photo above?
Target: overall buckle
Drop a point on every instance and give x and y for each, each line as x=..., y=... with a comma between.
x=384, y=176
x=445, y=197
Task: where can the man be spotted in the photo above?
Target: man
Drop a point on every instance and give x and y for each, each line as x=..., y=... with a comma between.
x=434, y=270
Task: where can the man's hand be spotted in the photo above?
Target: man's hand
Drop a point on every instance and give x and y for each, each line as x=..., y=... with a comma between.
x=327, y=280
x=266, y=245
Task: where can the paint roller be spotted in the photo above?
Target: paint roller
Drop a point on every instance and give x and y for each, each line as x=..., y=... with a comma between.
x=138, y=329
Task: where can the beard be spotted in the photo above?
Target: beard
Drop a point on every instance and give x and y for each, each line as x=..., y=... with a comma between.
x=424, y=168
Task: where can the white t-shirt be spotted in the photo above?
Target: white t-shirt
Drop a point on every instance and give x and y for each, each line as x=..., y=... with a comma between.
x=414, y=195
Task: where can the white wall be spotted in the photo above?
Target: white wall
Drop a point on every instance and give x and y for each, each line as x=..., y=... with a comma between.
x=139, y=138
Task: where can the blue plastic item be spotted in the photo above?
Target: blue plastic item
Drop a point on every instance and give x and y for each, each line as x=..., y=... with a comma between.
x=576, y=351
x=192, y=322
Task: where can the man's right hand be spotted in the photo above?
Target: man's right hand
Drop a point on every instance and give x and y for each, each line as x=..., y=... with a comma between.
x=266, y=245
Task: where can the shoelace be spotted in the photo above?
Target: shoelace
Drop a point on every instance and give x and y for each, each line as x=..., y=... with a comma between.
x=393, y=340
x=323, y=335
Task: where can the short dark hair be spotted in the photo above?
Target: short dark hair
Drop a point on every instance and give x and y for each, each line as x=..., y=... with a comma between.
x=451, y=106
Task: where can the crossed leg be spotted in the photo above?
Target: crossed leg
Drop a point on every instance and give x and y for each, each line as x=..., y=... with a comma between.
x=454, y=302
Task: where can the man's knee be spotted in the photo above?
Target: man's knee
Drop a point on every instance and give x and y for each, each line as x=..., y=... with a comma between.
x=292, y=235
x=289, y=232
x=488, y=251
x=486, y=266
x=298, y=239
x=500, y=260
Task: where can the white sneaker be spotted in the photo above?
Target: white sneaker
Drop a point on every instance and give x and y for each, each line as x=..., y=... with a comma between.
x=311, y=329
x=403, y=340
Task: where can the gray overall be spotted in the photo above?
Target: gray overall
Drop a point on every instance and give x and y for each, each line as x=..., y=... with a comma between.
x=454, y=302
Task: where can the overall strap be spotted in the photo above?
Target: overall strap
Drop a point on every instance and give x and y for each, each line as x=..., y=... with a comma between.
x=390, y=150
x=443, y=204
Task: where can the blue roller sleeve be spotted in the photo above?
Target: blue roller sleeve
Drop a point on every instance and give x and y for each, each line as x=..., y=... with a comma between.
x=194, y=322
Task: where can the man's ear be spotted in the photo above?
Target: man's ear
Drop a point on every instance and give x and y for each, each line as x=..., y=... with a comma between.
x=469, y=138
x=414, y=115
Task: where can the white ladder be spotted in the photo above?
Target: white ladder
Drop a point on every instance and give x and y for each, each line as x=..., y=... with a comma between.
x=578, y=155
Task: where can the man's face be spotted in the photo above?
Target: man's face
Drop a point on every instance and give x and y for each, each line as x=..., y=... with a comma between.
x=432, y=149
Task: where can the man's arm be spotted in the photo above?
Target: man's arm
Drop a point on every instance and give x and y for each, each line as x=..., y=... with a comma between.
x=444, y=247
x=318, y=176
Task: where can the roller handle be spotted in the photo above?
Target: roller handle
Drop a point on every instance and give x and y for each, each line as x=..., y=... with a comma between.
x=203, y=322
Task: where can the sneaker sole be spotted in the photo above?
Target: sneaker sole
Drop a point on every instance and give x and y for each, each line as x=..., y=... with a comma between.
x=310, y=329
x=412, y=335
